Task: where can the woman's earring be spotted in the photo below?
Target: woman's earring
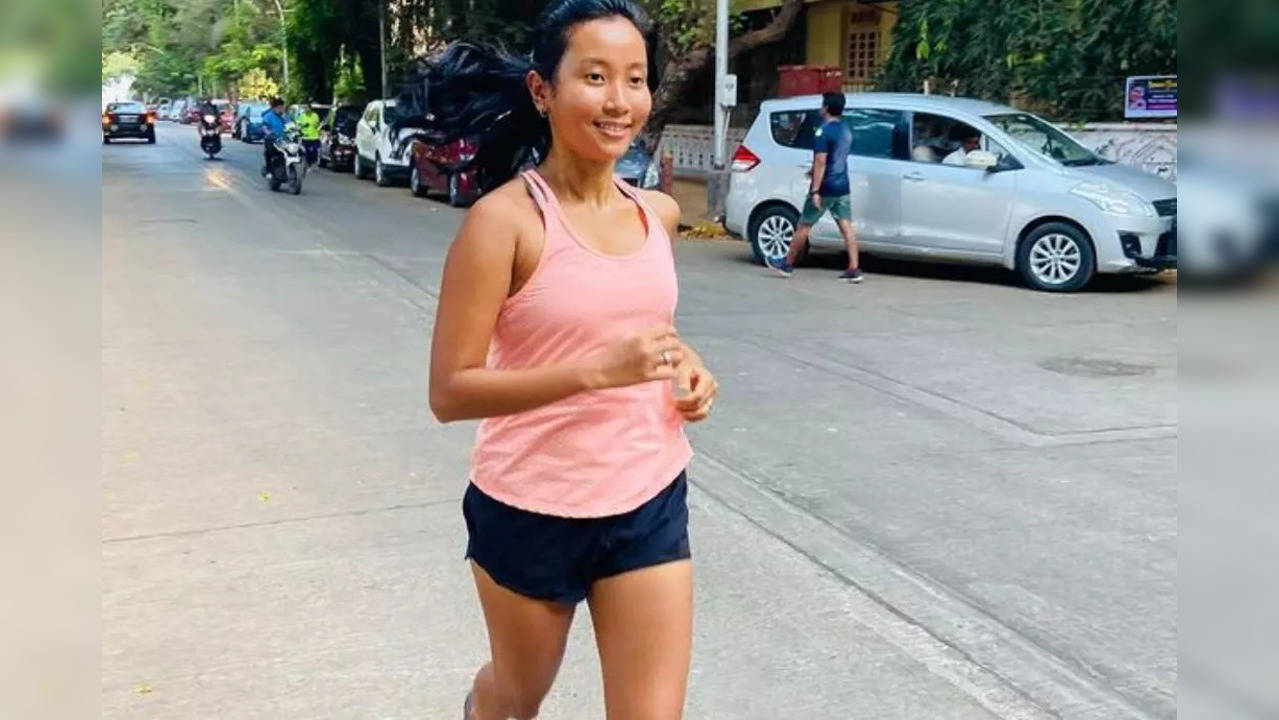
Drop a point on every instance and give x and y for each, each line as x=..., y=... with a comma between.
x=541, y=111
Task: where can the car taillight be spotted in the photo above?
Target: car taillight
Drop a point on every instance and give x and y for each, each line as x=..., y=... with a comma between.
x=106, y=119
x=151, y=118
x=744, y=160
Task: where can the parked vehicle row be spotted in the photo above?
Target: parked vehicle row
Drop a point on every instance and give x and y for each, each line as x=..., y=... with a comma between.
x=1021, y=193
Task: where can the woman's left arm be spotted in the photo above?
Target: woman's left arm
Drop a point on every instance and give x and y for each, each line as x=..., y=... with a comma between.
x=698, y=386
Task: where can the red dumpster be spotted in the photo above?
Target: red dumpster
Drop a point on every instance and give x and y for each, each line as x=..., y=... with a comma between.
x=795, y=80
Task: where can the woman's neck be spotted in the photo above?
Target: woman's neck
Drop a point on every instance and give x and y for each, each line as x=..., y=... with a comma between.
x=577, y=180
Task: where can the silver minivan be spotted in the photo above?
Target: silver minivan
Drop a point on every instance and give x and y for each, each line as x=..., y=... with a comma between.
x=1026, y=196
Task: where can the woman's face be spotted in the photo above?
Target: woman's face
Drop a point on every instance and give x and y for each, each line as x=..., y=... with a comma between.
x=600, y=99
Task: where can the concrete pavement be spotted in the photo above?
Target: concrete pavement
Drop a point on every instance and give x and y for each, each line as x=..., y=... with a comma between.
x=937, y=495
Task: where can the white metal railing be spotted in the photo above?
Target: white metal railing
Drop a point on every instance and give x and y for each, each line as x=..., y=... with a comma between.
x=1149, y=146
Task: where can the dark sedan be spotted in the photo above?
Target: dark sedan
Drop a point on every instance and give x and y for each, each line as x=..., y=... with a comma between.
x=337, y=137
x=127, y=120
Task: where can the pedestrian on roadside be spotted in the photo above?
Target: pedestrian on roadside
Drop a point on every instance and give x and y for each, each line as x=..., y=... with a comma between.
x=555, y=328
x=309, y=132
x=828, y=191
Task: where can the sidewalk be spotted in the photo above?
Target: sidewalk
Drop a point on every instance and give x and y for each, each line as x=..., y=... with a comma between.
x=690, y=193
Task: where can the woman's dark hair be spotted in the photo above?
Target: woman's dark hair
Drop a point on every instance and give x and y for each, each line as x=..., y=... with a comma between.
x=477, y=90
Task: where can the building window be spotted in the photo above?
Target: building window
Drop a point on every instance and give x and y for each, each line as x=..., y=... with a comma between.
x=862, y=57
x=863, y=50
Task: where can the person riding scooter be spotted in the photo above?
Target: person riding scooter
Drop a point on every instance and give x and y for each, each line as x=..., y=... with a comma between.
x=210, y=129
x=273, y=124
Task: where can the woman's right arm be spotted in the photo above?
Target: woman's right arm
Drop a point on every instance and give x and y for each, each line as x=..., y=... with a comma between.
x=477, y=279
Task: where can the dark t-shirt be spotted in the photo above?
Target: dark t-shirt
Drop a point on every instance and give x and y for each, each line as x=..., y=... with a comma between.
x=836, y=140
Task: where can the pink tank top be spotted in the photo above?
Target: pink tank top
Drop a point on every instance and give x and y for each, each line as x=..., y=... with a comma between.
x=601, y=452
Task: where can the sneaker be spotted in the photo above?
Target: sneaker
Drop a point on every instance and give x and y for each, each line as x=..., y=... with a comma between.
x=852, y=275
x=780, y=266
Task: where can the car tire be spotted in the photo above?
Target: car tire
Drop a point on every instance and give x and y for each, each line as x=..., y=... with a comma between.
x=415, y=182
x=380, y=176
x=770, y=233
x=106, y=140
x=235, y=131
x=151, y=139
x=357, y=167
x=1056, y=257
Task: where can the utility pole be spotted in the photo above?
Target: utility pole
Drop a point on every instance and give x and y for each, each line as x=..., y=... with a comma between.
x=381, y=40
x=721, y=72
x=284, y=42
x=725, y=98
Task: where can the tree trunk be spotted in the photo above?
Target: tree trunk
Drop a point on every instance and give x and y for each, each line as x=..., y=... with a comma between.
x=681, y=71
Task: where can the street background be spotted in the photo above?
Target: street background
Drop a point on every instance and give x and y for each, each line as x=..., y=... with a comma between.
x=935, y=495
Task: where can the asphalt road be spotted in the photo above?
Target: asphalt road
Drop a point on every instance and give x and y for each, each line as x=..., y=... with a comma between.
x=934, y=495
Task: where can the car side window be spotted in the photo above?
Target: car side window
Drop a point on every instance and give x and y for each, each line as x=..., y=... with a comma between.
x=878, y=133
x=794, y=128
x=998, y=150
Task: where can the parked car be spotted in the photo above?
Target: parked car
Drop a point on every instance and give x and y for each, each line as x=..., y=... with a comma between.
x=337, y=137
x=162, y=108
x=637, y=167
x=248, y=121
x=443, y=167
x=1030, y=198
x=176, y=109
x=192, y=114
x=376, y=151
x=127, y=119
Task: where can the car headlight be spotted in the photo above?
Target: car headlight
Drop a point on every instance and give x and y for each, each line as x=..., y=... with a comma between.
x=651, y=176
x=1114, y=200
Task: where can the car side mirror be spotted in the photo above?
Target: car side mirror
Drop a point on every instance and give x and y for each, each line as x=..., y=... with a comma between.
x=981, y=160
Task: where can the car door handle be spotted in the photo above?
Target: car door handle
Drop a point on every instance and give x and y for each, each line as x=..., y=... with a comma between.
x=914, y=177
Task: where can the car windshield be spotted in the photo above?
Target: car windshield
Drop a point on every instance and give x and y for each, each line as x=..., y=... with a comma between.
x=1043, y=138
x=345, y=119
x=125, y=107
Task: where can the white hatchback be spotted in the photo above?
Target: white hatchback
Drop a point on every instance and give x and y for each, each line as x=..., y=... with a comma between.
x=376, y=151
x=1030, y=198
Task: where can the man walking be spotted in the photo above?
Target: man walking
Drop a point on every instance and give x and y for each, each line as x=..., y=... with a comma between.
x=829, y=189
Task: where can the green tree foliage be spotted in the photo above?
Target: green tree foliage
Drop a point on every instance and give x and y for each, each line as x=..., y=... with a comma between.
x=1064, y=58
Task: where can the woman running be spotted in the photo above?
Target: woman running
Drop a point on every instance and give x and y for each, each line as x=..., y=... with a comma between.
x=555, y=327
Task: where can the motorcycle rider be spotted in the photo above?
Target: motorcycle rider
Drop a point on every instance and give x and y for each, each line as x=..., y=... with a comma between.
x=309, y=129
x=207, y=110
x=273, y=124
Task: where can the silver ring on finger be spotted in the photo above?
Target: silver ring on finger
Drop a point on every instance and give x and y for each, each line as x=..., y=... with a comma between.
x=665, y=357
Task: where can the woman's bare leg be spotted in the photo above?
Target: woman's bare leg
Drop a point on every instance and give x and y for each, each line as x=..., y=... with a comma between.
x=526, y=641
x=644, y=630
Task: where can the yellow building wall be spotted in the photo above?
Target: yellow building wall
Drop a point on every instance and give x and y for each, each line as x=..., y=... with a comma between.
x=828, y=30
x=826, y=34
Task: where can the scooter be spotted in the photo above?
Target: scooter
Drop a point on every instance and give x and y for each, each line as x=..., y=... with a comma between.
x=289, y=164
x=210, y=135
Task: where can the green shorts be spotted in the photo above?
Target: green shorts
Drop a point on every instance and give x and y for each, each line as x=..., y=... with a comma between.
x=840, y=207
